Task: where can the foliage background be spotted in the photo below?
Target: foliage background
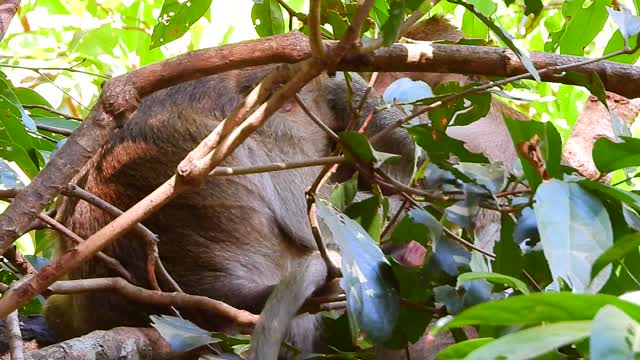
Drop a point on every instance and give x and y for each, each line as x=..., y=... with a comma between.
x=57, y=53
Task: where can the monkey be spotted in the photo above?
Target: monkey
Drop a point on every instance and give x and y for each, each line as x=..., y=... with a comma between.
x=233, y=239
x=244, y=240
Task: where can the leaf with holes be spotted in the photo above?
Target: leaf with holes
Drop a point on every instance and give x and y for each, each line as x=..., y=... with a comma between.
x=176, y=17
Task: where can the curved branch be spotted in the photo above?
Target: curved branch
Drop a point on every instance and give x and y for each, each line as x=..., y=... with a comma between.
x=8, y=10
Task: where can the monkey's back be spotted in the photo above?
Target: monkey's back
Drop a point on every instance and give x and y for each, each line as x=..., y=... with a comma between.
x=223, y=239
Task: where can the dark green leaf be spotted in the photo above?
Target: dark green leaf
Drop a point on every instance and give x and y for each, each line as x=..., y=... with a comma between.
x=357, y=145
x=495, y=278
x=540, y=307
x=609, y=155
x=533, y=7
x=616, y=252
x=176, y=17
x=508, y=259
x=439, y=146
x=532, y=342
x=460, y=350
x=368, y=213
x=372, y=300
x=267, y=18
x=344, y=193
x=391, y=28
x=459, y=112
x=613, y=193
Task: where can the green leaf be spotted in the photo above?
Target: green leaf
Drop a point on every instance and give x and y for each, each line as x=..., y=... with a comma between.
x=459, y=112
x=618, y=251
x=540, y=307
x=368, y=214
x=391, y=28
x=574, y=229
x=176, y=17
x=267, y=18
x=344, y=193
x=495, y=278
x=533, y=7
x=550, y=145
x=593, y=83
x=440, y=146
x=616, y=43
x=181, y=334
x=532, y=342
x=508, y=259
x=613, y=193
x=583, y=26
x=357, y=145
x=609, y=155
x=372, y=300
x=460, y=350
x=614, y=335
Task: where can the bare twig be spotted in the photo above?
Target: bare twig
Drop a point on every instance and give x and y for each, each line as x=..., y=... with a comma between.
x=112, y=263
x=53, y=111
x=244, y=319
x=467, y=244
x=227, y=171
x=53, y=129
x=151, y=239
x=13, y=334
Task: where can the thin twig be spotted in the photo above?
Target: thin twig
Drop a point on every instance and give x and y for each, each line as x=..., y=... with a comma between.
x=112, y=263
x=40, y=69
x=244, y=319
x=467, y=244
x=53, y=111
x=229, y=171
x=151, y=239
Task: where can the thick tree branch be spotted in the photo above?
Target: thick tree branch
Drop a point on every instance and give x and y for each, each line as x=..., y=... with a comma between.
x=8, y=9
x=121, y=95
x=115, y=344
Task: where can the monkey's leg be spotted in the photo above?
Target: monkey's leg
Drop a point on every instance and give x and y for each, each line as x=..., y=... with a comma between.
x=283, y=304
